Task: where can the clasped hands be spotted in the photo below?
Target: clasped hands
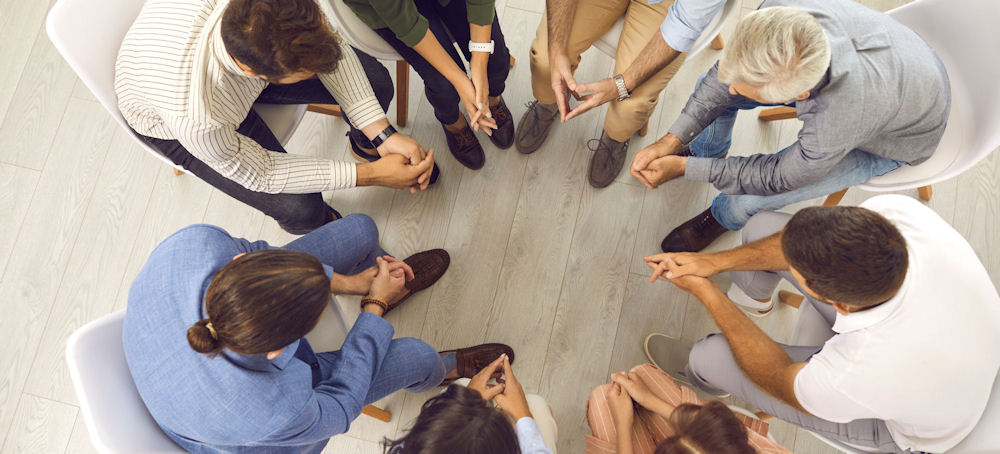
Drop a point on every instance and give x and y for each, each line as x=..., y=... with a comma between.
x=626, y=388
x=404, y=164
x=689, y=271
x=507, y=393
x=385, y=281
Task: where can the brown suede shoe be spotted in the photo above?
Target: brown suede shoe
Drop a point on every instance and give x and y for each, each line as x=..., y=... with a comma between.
x=503, y=136
x=465, y=147
x=694, y=235
x=428, y=266
x=471, y=360
x=607, y=161
x=534, y=126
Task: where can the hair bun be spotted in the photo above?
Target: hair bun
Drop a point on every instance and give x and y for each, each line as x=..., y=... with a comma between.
x=201, y=338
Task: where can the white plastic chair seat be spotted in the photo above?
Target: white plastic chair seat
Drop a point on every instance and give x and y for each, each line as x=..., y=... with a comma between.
x=608, y=43
x=281, y=119
x=116, y=418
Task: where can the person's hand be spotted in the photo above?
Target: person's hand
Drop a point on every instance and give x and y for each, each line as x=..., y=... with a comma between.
x=663, y=170
x=632, y=383
x=388, y=285
x=406, y=146
x=593, y=94
x=394, y=171
x=688, y=263
x=357, y=284
x=666, y=146
x=622, y=409
x=480, y=81
x=695, y=285
x=512, y=400
x=477, y=111
x=480, y=381
x=561, y=73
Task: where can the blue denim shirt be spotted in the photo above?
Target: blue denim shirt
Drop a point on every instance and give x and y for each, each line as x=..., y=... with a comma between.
x=232, y=402
x=685, y=21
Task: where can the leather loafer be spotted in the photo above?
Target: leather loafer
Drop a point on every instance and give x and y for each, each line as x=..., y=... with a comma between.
x=465, y=147
x=694, y=235
x=503, y=136
x=469, y=361
x=428, y=266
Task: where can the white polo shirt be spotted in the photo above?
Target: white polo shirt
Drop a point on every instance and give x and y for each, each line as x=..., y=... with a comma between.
x=924, y=361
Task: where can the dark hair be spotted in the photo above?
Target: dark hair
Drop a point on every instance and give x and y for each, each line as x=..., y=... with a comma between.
x=849, y=255
x=708, y=428
x=458, y=421
x=261, y=302
x=280, y=37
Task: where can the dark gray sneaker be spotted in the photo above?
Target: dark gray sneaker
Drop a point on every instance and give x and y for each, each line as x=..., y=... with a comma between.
x=607, y=161
x=534, y=126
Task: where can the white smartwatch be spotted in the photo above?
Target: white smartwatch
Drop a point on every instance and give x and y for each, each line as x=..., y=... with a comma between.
x=481, y=47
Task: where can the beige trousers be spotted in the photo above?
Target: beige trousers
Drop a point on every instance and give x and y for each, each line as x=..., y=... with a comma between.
x=592, y=20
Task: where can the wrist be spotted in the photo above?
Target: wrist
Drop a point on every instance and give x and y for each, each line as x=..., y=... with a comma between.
x=374, y=305
x=519, y=413
x=365, y=174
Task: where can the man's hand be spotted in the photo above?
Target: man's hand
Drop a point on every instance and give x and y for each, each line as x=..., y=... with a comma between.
x=666, y=146
x=622, y=409
x=406, y=146
x=480, y=381
x=689, y=263
x=695, y=285
x=663, y=170
x=512, y=399
x=394, y=171
x=357, y=284
x=563, y=82
x=477, y=111
x=600, y=92
x=388, y=285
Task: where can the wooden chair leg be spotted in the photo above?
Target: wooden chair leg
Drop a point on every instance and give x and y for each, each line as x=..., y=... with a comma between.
x=402, y=92
x=325, y=109
x=777, y=113
x=377, y=413
x=833, y=200
x=717, y=43
x=512, y=60
x=178, y=172
x=925, y=192
x=644, y=129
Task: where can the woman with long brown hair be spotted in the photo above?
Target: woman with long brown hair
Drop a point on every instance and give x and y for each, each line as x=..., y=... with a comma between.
x=243, y=378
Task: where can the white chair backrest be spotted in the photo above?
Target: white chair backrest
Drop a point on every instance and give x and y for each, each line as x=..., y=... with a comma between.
x=358, y=33
x=965, y=35
x=116, y=418
x=608, y=43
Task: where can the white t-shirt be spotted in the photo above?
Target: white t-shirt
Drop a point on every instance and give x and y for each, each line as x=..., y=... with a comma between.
x=924, y=361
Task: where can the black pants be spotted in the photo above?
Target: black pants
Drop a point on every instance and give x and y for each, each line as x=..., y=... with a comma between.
x=296, y=213
x=447, y=23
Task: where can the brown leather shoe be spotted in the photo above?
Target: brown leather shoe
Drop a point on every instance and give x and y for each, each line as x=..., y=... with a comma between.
x=465, y=147
x=607, y=160
x=471, y=360
x=694, y=235
x=428, y=266
x=534, y=126
x=503, y=136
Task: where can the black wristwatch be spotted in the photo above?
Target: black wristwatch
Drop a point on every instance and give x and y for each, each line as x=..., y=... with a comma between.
x=382, y=136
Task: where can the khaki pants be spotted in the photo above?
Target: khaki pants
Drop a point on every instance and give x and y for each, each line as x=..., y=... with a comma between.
x=592, y=20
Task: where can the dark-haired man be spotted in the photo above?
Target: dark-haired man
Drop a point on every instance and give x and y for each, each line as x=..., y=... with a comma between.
x=189, y=71
x=916, y=318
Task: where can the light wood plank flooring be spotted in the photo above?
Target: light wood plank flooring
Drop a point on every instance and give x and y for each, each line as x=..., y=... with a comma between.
x=540, y=260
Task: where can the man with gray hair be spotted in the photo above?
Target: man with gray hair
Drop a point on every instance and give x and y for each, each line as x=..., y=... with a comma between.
x=872, y=96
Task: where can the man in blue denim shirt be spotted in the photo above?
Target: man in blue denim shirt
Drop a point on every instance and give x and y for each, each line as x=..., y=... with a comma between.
x=266, y=390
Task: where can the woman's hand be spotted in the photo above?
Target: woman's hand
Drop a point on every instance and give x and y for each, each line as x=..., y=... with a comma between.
x=512, y=399
x=388, y=285
x=479, y=381
x=480, y=81
x=631, y=383
x=478, y=119
x=622, y=409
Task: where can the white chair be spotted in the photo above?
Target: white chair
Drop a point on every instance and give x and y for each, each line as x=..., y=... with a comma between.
x=116, y=418
x=608, y=43
x=88, y=34
x=965, y=35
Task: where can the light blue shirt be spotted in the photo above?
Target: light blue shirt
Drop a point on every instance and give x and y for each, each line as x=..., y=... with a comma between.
x=530, y=438
x=685, y=21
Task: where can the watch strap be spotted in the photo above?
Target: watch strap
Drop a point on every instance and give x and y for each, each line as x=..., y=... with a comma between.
x=382, y=136
x=623, y=93
x=481, y=47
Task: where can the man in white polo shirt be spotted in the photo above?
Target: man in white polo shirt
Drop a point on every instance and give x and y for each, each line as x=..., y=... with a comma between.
x=916, y=317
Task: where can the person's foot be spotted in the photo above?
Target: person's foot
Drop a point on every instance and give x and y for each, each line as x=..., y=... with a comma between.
x=534, y=126
x=372, y=156
x=330, y=216
x=749, y=305
x=428, y=266
x=668, y=354
x=503, y=136
x=469, y=361
x=464, y=146
x=694, y=235
x=607, y=161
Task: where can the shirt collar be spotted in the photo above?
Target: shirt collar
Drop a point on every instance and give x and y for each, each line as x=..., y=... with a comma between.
x=259, y=362
x=871, y=317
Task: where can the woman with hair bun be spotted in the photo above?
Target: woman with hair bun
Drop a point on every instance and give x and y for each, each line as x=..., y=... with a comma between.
x=243, y=378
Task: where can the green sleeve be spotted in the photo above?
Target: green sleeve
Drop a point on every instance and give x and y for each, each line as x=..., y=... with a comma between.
x=480, y=12
x=400, y=16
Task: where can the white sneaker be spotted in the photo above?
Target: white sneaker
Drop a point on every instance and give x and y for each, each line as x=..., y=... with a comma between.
x=748, y=304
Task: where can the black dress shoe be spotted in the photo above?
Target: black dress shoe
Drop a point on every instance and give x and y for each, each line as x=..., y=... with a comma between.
x=465, y=147
x=373, y=157
x=503, y=136
x=694, y=235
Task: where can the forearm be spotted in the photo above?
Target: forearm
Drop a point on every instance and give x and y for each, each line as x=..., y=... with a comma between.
x=342, y=285
x=559, y=16
x=624, y=438
x=480, y=34
x=431, y=50
x=763, y=254
x=660, y=407
x=655, y=56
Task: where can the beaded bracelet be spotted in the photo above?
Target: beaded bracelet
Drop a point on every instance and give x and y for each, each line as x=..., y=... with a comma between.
x=369, y=300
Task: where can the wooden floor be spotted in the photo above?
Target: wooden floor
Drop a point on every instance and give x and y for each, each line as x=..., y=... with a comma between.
x=540, y=260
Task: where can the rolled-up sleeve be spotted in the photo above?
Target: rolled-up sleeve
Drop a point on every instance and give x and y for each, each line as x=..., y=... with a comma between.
x=349, y=85
x=480, y=12
x=686, y=20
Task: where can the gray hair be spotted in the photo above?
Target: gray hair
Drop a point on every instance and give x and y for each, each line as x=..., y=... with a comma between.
x=781, y=51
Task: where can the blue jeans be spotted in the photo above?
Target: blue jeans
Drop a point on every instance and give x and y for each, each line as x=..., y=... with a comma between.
x=349, y=246
x=734, y=210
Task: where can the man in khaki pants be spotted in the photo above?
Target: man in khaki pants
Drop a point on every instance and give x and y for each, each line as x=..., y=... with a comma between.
x=645, y=62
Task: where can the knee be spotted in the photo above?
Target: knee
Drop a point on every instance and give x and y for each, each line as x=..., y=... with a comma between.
x=425, y=359
x=539, y=60
x=365, y=225
x=300, y=211
x=708, y=356
x=760, y=225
